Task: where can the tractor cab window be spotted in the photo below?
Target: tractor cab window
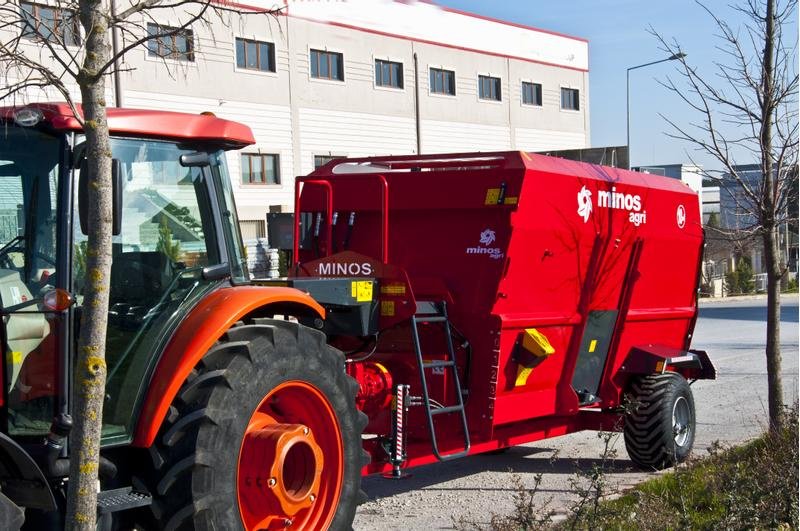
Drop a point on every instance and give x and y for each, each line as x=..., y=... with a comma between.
x=29, y=170
x=167, y=237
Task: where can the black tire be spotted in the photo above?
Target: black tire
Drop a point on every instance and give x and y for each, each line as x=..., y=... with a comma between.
x=660, y=425
x=196, y=454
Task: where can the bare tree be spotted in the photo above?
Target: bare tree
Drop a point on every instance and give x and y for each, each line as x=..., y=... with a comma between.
x=747, y=114
x=60, y=45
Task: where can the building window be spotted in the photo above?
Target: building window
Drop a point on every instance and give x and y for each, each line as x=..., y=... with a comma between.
x=252, y=229
x=53, y=24
x=531, y=93
x=322, y=160
x=388, y=74
x=255, y=55
x=443, y=82
x=327, y=65
x=570, y=99
x=260, y=169
x=170, y=43
x=489, y=88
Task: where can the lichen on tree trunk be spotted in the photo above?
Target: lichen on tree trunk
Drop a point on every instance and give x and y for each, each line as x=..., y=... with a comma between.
x=90, y=367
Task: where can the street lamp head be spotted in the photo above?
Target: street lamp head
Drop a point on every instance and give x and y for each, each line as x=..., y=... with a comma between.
x=679, y=55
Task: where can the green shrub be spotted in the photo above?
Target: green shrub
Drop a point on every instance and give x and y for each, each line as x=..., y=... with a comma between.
x=741, y=280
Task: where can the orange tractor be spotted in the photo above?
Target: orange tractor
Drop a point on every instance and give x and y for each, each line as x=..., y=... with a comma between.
x=435, y=307
x=217, y=415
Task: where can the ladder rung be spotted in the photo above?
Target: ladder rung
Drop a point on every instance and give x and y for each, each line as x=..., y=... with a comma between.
x=428, y=308
x=430, y=318
x=444, y=410
x=437, y=364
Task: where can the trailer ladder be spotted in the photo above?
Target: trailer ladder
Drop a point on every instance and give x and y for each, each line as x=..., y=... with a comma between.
x=436, y=312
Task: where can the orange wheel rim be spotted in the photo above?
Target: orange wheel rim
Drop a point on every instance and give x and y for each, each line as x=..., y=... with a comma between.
x=291, y=461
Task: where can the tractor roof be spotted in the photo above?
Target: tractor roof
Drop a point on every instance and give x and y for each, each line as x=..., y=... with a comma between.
x=148, y=123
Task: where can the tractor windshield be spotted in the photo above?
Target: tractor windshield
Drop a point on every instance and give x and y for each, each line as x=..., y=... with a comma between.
x=30, y=163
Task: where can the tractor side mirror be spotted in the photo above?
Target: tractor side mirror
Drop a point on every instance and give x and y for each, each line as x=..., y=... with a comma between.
x=197, y=159
x=116, y=197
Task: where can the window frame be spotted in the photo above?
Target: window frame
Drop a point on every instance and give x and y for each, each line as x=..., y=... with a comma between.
x=249, y=156
x=577, y=99
x=35, y=33
x=524, y=82
x=327, y=53
x=329, y=156
x=272, y=55
x=499, y=88
x=442, y=70
x=188, y=57
x=378, y=83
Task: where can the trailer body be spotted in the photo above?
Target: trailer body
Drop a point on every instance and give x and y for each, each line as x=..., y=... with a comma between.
x=562, y=282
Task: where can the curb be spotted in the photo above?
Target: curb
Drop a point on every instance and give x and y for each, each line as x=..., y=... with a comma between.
x=761, y=296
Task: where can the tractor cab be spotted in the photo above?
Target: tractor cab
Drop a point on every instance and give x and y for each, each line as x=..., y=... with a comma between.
x=175, y=237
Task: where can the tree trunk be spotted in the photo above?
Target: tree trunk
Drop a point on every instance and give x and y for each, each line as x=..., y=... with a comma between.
x=767, y=217
x=90, y=369
x=773, y=347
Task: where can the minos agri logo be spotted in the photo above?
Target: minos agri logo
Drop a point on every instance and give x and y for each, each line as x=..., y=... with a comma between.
x=612, y=199
x=487, y=238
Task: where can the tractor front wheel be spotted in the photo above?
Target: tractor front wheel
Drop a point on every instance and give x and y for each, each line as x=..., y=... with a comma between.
x=660, y=425
x=264, y=434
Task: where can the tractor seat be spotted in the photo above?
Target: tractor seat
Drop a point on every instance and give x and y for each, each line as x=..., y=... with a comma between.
x=24, y=330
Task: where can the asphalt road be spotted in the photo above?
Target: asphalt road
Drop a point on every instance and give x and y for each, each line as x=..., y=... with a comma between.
x=730, y=409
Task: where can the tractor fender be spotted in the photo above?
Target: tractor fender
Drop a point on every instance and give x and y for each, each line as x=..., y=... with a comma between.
x=658, y=359
x=22, y=480
x=195, y=335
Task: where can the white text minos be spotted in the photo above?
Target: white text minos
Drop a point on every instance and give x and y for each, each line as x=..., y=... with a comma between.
x=622, y=201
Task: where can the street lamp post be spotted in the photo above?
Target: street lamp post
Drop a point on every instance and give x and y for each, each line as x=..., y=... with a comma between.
x=672, y=57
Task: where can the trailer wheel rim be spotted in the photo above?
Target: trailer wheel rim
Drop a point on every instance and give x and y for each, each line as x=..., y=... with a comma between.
x=291, y=461
x=681, y=421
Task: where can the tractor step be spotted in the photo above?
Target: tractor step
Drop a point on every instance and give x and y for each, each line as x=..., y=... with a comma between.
x=429, y=312
x=112, y=501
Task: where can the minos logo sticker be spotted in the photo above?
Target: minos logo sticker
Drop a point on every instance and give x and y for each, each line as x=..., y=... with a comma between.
x=487, y=238
x=584, y=204
x=680, y=216
x=612, y=199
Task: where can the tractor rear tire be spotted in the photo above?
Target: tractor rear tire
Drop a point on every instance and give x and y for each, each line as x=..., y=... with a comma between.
x=660, y=426
x=263, y=434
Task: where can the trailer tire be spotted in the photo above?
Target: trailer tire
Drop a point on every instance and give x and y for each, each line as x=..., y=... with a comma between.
x=660, y=424
x=266, y=388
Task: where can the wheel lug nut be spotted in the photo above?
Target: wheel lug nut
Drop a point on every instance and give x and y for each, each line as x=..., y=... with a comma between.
x=287, y=522
x=312, y=498
x=305, y=431
x=272, y=482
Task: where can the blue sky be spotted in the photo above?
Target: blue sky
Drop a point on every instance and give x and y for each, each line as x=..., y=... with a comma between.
x=618, y=39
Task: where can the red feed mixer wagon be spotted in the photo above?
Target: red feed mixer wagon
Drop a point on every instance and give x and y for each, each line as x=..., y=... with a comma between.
x=491, y=299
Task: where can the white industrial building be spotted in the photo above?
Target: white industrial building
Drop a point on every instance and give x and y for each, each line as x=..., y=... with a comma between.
x=360, y=78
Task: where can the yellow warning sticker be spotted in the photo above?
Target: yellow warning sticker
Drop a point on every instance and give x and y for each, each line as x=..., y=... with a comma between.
x=387, y=308
x=361, y=290
x=492, y=195
x=395, y=288
x=592, y=345
x=511, y=200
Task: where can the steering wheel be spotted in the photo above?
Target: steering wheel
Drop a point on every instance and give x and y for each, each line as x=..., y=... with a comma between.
x=13, y=246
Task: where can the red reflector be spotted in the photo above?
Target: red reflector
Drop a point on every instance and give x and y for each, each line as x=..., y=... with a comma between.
x=57, y=300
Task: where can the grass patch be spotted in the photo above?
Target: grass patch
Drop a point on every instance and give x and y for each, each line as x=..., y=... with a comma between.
x=754, y=486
